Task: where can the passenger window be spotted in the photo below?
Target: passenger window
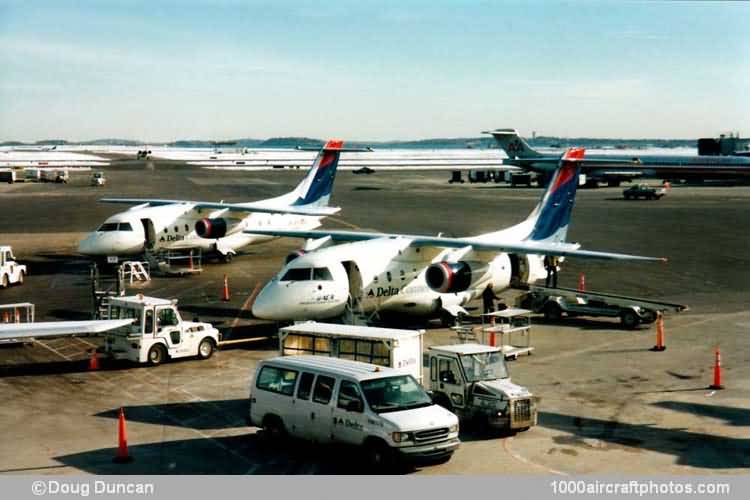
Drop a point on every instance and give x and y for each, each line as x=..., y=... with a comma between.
x=348, y=395
x=323, y=389
x=187, y=228
x=277, y=380
x=297, y=274
x=166, y=230
x=322, y=274
x=125, y=226
x=305, y=384
x=388, y=275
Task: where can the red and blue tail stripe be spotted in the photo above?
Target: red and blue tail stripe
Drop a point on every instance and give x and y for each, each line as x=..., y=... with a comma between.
x=318, y=184
x=557, y=203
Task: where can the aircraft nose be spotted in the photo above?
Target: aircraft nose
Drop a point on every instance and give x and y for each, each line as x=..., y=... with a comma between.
x=266, y=305
x=87, y=245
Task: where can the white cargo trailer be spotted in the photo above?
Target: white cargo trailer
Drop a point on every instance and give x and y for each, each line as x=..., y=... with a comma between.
x=399, y=349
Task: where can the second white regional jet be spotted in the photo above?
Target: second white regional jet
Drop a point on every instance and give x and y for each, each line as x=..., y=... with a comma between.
x=153, y=224
x=379, y=273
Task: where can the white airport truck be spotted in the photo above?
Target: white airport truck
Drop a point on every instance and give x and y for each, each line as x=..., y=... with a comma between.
x=157, y=332
x=471, y=380
x=10, y=271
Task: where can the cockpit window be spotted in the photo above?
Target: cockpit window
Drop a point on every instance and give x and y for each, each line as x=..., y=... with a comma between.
x=115, y=226
x=322, y=274
x=297, y=274
x=109, y=226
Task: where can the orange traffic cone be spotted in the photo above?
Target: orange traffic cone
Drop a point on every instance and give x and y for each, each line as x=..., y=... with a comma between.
x=225, y=293
x=717, y=371
x=659, y=334
x=581, y=282
x=94, y=361
x=122, y=441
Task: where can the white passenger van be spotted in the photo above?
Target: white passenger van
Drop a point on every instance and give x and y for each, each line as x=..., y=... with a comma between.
x=338, y=400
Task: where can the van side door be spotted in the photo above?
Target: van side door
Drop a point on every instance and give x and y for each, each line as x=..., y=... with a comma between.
x=316, y=414
x=349, y=417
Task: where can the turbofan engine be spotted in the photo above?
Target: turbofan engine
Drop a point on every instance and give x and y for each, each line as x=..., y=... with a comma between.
x=211, y=228
x=451, y=277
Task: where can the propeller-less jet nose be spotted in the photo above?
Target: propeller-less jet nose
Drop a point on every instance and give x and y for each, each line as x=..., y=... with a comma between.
x=269, y=304
x=101, y=244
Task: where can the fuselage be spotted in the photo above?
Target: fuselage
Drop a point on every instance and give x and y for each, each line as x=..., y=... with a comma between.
x=380, y=276
x=173, y=227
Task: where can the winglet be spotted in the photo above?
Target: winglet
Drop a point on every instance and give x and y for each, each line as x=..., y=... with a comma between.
x=574, y=154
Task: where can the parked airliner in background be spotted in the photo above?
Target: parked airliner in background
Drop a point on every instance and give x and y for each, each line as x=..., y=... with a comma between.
x=422, y=275
x=154, y=225
x=614, y=169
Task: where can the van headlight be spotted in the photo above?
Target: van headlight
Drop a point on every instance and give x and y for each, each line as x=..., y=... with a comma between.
x=400, y=437
x=453, y=428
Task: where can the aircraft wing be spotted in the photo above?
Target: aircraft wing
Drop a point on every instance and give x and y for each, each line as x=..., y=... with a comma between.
x=524, y=247
x=232, y=207
x=12, y=332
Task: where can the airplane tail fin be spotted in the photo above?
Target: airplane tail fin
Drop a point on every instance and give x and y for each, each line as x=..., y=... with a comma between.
x=513, y=144
x=551, y=216
x=316, y=187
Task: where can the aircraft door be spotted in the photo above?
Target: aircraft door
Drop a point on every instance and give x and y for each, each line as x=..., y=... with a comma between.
x=150, y=233
x=355, y=282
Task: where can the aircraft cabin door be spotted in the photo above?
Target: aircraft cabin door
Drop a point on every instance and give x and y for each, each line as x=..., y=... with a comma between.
x=150, y=234
x=355, y=282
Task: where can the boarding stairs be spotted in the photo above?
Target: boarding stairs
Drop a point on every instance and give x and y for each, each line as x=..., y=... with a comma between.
x=136, y=271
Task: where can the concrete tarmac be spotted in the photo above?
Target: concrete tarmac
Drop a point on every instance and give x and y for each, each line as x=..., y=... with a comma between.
x=607, y=403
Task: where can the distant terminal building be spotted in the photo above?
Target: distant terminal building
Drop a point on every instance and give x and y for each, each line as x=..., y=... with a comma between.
x=725, y=145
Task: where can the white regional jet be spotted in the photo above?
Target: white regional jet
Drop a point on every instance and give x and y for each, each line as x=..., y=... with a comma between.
x=153, y=225
x=422, y=275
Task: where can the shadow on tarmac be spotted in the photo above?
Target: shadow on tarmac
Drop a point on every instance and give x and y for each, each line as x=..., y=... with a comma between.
x=694, y=449
x=60, y=367
x=729, y=414
x=200, y=415
x=244, y=454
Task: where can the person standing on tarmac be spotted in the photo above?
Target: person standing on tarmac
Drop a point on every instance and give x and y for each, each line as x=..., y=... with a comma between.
x=488, y=299
x=550, y=264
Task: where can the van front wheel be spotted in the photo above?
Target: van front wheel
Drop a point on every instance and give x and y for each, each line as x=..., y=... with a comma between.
x=380, y=456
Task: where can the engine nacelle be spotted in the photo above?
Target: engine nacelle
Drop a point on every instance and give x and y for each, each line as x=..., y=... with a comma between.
x=211, y=228
x=294, y=255
x=451, y=277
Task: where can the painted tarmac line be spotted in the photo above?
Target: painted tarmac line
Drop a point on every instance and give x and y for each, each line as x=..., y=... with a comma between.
x=507, y=447
x=248, y=303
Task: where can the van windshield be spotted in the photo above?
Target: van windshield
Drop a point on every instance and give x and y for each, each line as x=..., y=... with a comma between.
x=397, y=393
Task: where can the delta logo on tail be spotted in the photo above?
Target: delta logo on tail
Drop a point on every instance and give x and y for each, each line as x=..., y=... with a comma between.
x=558, y=201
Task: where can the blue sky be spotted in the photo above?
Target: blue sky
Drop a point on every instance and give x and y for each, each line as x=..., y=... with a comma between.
x=371, y=70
